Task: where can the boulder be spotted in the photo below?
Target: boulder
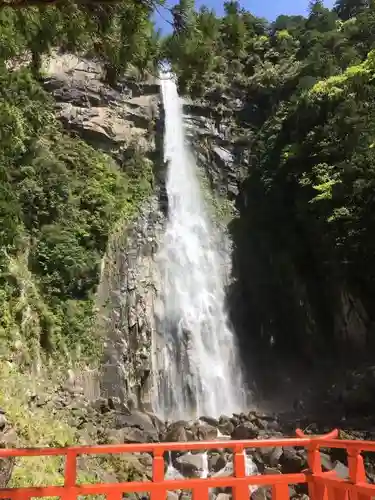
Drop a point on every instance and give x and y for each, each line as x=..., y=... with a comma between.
x=176, y=432
x=216, y=461
x=192, y=465
x=128, y=435
x=269, y=456
x=210, y=421
x=246, y=430
x=206, y=432
x=172, y=495
x=225, y=426
x=341, y=470
x=135, y=419
x=224, y=496
x=262, y=493
x=188, y=465
x=291, y=461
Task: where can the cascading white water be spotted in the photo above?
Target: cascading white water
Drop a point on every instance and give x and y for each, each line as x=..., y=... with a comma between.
x=196, y=369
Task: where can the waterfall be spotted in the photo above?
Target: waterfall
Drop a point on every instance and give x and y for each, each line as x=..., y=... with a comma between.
x=196, y=368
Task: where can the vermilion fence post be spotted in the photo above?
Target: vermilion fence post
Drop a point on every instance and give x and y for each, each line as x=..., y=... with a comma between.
x=337, y=494
x=158, y=475
x=317, y=491
x=280, y=492
x=20, y=495
x=70, y=475
x=240, y=491
x=200, y=493
x=114, y=495
x=357, y=473
x=314, y=459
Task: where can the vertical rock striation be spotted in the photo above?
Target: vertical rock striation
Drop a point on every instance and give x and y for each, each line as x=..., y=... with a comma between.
x=127, y=295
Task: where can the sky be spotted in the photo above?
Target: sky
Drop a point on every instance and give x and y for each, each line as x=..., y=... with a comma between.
x=269, y=9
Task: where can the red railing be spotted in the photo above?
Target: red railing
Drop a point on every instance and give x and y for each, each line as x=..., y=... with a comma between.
x=321, y=485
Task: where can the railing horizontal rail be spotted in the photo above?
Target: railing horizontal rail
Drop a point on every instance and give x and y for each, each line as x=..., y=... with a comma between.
x=348, y=444
x=102, y=488
x=150, y=447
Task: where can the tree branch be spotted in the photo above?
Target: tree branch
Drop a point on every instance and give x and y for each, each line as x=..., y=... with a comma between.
x=19, y=4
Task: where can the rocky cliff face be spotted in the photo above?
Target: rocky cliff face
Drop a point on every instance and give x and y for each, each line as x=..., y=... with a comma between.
x=108, y=118
x=217, y=154
x=121, y=121
x=127, y=295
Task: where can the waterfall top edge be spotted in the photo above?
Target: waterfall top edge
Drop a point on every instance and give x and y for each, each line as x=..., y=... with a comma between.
x=167, y=75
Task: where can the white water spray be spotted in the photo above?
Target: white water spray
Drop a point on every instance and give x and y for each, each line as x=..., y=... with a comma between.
x=196, y=368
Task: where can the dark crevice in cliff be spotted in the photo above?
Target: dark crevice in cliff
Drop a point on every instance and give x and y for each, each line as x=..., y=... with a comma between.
x=284, y=301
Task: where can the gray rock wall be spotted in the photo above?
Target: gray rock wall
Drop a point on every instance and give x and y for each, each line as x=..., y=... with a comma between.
x=212, y=139
x=127, y=295
x=104, y=117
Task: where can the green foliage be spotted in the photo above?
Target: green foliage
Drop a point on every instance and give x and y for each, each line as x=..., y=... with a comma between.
x=222, y=209
x=347, y=9
x=51, y=425
x=300, y=91
x=59, y=198
x=120, y=35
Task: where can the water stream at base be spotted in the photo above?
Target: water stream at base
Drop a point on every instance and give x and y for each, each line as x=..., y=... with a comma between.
x=196, y=368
